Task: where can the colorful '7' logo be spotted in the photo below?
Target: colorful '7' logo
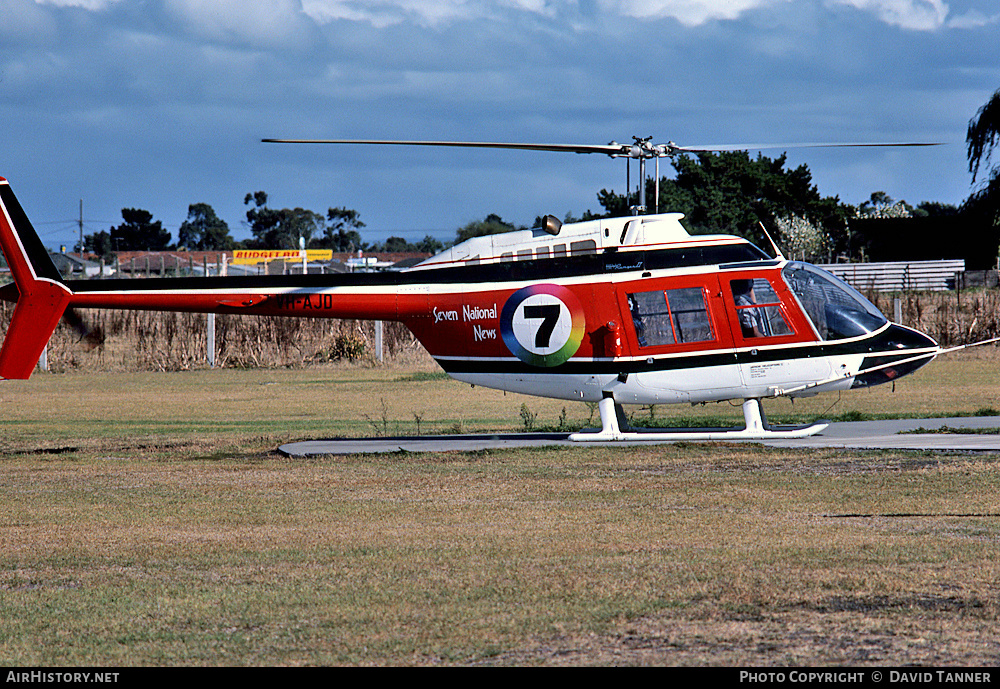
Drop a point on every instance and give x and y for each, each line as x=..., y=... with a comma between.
x=543, y=325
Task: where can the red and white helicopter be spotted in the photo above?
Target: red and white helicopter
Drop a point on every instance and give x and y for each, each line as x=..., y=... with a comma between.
x=631, y=310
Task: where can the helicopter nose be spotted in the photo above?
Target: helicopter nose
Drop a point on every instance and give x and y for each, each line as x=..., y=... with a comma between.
x=902, y=338
x=908, y=350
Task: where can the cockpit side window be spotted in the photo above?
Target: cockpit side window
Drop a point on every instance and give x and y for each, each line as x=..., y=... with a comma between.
x=758, y=309
x=837, y=310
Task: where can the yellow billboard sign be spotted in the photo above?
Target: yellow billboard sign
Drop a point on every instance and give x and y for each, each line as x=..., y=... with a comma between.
x=251, y=256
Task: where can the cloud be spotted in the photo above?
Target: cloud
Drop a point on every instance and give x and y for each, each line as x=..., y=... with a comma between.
x=24, y=20
x=973, y=19
x=383, y=13
x=917, y=15
x=93, y=5
x=258, y=22
x=277, y=22
x=687, y=12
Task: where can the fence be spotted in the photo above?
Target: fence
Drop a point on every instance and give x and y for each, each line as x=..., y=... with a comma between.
x=912, y=276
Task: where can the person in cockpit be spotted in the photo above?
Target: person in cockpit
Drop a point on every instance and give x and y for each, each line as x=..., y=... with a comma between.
x=753, y=320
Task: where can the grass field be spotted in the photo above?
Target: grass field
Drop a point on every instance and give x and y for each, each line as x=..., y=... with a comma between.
x=147, y=520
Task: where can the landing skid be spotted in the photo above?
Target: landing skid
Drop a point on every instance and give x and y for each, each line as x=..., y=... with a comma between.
x=615, y=427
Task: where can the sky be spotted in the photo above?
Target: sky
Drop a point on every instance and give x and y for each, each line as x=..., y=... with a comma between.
x=160, y=104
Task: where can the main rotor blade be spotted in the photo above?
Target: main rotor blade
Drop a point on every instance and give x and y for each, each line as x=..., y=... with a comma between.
x=641, y=149
x=608, y=149
x=758, y=147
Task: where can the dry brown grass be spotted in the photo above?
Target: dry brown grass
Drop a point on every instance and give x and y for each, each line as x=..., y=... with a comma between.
x=700, y=555
x=147, y=521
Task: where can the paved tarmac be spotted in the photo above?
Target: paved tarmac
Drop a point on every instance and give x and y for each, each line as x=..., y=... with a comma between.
x=894, y=434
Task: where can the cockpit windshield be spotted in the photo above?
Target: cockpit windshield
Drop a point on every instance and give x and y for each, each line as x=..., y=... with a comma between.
x=836, y=309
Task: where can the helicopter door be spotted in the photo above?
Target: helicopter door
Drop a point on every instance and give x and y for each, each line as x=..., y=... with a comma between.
x=678, y=327
x=764, y=315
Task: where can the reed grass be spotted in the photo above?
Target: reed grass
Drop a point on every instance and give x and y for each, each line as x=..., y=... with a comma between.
x=952, y=317
x=169, y=341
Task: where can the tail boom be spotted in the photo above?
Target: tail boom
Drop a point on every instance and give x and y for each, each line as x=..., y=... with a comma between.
x=42, y=296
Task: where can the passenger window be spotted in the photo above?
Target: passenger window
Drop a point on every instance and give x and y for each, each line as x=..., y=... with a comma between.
x=651, y=318
x=587, y=246
x=690, y=315
x=758, y=309
x=670, y=317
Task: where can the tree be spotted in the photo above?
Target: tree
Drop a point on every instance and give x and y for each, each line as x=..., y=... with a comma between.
x=803, y=240
x=983, y=206
x=139, y=232
x=881, y=205
x=492, y=224
x=279, y=229
x=615, y=205
x=341, y=231
x=99, y=243
x=936, y=209
x=983, y=135
x=731, y=193
x=429, y=245
x=884, y=229
x=204, y=230
x=396, y=245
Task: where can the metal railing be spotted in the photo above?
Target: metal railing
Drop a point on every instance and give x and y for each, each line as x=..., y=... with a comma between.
x=908, y=276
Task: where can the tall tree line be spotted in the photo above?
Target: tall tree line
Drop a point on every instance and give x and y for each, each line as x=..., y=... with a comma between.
x=270, y=228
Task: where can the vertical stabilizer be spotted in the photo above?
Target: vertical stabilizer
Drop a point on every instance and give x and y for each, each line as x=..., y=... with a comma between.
x=42, y=295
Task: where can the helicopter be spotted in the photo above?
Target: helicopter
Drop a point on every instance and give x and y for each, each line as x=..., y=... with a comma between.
x=616, y=311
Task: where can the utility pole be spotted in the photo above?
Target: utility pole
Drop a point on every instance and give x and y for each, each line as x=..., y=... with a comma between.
x=81, y=229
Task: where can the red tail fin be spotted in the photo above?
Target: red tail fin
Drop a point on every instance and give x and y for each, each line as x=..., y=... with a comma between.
x=42, y=296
